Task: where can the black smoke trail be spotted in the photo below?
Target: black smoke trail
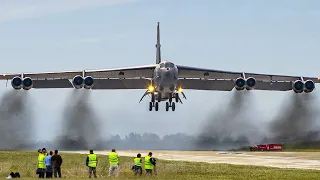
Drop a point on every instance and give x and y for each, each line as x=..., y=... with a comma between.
x=295, y=119
x=79, y=123
x=228, y=122
x=15, y=120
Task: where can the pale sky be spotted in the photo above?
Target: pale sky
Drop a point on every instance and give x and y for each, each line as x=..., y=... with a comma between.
x=279, y=37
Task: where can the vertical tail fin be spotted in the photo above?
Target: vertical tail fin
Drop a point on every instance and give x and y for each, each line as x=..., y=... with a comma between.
x=158, y=46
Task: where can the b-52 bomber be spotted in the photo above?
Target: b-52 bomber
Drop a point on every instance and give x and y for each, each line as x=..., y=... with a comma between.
x=163, y=81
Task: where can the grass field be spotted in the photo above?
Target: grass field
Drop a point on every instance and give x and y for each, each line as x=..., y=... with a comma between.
x=74, y=168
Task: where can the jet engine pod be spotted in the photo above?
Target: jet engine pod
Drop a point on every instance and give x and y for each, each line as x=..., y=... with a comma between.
x=309, y=86
x=240, y=84
x=27, y=83
x=16, y=83
x=77, y=82
x=298, y=86
x=251, y=83
x=88, y=82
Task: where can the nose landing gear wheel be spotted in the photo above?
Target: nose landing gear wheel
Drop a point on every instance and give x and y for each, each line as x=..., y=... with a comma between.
x=173, y=106
x=177, y=97
x=167, y=106
x=150, y=106
x=157, y=106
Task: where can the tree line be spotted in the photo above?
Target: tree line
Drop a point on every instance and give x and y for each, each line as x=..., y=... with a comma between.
x=178, y=141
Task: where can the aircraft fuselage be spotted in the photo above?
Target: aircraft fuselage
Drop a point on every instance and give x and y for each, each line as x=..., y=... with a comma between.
x=165, y=79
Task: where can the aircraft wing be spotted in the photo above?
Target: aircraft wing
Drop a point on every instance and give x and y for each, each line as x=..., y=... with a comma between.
x=127, y=72
x=210, y=79
x=46, y=79
x=116, y=78
x=44, y=75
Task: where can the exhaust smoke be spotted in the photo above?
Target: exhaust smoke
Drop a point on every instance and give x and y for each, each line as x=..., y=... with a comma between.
x=228, y=123
x=80, y=124
x=295, y=119
x=15, y=120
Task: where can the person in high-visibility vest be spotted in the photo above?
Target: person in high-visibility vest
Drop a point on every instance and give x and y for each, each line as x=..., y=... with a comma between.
x=92, y=162
x=149, y=164
x=41, y=164
x=137, y=165
x=114, y=163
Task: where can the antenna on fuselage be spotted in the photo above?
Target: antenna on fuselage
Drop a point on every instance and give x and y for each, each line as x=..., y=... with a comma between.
x=158, y=45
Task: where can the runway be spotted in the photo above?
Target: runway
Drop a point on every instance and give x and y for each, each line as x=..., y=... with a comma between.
x=300, y=160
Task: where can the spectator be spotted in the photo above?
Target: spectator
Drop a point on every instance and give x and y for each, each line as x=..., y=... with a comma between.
x=56, y=161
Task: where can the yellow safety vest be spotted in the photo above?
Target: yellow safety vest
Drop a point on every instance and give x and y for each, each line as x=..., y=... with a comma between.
x=44, y=154
x=147, y=163
x=113, y=158
x=92, y=160
x=137, y=161
x=41, y=163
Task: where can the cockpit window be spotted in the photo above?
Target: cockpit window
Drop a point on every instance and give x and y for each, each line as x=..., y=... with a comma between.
x=169, y=65
x=166, y=65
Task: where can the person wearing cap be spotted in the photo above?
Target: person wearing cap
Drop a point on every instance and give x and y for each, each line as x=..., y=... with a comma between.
x=41, y=164
x=114, y=163
x=45, y=151
x=92, y=162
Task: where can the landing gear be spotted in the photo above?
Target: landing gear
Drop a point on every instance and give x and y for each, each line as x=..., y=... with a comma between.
x=152, y=97
x=157, y=106
x=173, y=106
x=170, y=98
x=153, y=104
x=167, y=106
x=155, y=100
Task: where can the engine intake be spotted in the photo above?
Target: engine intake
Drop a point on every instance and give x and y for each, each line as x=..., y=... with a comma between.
x=16, y=83
x=27, y=83
x=78, y=82
x=298, y=86
x=309, y=86
x=88, y=82
x=240, y=84
x=251, y=83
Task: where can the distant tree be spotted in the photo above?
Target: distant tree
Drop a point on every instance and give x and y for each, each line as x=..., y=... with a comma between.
x=134, y=137
x=115, y=138
x=150, y=137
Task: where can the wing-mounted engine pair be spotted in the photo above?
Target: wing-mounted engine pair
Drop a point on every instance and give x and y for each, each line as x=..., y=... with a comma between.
x=300, y=86
x=242, y=83
x=24, y=83
x=79, y=82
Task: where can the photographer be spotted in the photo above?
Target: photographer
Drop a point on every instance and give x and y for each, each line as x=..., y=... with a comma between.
x=150, y=164
x=153, y=161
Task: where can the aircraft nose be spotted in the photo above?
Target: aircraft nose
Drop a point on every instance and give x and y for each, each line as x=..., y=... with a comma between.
x=167, y=73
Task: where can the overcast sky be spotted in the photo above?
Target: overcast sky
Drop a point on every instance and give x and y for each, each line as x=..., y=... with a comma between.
x=280, y=37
